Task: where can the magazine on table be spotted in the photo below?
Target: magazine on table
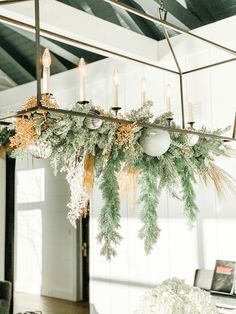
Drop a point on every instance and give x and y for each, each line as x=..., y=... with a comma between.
x=224, y=277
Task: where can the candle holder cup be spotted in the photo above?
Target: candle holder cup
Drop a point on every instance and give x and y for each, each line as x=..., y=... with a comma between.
x=83, y=102
x=116, y=110
x=169, y=120
x=191, y=124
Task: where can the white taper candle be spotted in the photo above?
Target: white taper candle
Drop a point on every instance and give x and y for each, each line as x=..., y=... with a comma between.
x=46, y=61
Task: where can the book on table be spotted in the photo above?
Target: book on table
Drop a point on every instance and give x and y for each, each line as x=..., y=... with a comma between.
x=223, y=280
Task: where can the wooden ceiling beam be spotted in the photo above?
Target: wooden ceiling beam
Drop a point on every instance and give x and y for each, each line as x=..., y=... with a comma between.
x=80, y=29
x=148, y=28
x=46, y=43
x=17, y=60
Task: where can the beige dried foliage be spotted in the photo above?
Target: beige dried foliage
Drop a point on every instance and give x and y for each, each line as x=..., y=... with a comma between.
x=128, y=183
x=25, y=133
x=2, y=152
x=230, y=152
x=125, y=136
x=221, y=179
x=89, y=173
x=25, y=126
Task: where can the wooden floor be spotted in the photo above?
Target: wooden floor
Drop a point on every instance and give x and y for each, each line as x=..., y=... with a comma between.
x=27, y=302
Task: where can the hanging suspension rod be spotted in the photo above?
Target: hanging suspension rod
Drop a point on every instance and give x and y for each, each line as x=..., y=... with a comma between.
x=167, y=24
x=37, y=48
x=114, y=120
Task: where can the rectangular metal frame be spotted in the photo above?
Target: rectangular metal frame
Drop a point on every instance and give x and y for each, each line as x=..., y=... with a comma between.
x=163, y=23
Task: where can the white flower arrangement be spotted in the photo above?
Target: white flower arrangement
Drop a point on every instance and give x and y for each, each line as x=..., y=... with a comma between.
x=173, y=296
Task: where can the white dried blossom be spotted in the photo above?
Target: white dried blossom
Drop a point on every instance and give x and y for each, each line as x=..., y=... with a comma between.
x=78, y=195
x=173, y=296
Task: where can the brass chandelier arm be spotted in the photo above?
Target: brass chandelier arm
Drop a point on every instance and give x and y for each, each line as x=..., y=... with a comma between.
x=114, y=120
x=4, y=123
x=37, y=50
x=209, y=66
x=19, y=113
x=167, y=24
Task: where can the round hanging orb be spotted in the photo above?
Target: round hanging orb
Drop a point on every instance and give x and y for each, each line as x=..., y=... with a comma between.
x=93, y=123
x=192, y=139
x=155, y=142
x=40, y=150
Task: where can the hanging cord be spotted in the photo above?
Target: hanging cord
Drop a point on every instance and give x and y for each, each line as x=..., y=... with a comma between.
x=162, y=11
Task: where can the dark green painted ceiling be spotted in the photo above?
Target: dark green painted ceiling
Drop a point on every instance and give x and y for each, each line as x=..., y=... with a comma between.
x=17, y=50
x=191, y=13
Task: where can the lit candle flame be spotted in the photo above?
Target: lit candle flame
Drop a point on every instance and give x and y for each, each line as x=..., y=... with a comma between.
x=116, y=81
x=82, y=66
x=46, y=61
x=82, y=71
x=168, y=98
x=190, y=107
x=143, y=91
x=116, y=77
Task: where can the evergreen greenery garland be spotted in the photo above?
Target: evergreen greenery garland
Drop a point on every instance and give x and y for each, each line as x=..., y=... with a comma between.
x=109, y=218
x=149, y=197
x=115, y=147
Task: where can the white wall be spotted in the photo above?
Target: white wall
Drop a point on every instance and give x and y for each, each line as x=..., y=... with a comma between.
x=45, y=240
x=2, y=214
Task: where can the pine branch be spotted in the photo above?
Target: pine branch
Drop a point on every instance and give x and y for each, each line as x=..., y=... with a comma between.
x=109, y=219
x=187, y=179
x=150, y=198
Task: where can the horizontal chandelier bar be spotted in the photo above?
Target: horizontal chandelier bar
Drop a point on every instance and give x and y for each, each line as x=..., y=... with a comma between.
x=114, y=120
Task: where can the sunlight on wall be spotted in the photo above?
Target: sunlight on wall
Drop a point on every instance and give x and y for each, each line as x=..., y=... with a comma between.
x=30, y=192
x=218, y=239
x=30, y=186
x=29, y=251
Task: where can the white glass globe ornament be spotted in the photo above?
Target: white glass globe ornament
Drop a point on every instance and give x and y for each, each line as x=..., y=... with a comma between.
x=155, y=142
x=192, y=139
x=93, y=123
x=40, y=150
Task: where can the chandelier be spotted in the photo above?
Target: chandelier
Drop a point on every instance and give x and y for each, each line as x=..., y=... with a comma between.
x=87, y=142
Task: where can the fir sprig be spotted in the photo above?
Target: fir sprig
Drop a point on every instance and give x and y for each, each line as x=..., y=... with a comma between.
x=109, y=219
x=149, y=197
x=187, y=179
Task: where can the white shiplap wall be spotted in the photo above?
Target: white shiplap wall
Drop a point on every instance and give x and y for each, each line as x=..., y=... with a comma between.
x=46, y=257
